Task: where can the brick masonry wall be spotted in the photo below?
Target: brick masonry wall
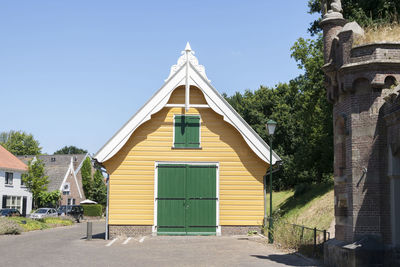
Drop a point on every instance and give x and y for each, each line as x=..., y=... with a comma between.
x=74, y=193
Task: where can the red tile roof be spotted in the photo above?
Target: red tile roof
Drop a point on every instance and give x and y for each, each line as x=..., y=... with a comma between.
x=9, y=161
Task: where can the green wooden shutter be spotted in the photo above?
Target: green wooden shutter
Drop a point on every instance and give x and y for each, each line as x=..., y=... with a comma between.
x=193, y=131
x=180, y=131
x=187, y=131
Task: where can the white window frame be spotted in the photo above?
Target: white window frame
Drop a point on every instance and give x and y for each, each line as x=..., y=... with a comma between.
x=156, y=163
x=14, y=206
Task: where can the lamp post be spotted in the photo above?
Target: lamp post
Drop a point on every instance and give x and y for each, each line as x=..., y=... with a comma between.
x=271, y=125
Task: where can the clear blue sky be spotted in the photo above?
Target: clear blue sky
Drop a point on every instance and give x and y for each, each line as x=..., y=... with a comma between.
x=73, y=72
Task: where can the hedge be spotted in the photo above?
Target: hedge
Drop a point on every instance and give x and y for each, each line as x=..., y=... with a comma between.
x=92, y=210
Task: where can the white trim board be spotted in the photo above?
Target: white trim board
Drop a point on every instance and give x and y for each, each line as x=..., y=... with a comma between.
x=196, y=77
x=154, y=226
x=71, y=171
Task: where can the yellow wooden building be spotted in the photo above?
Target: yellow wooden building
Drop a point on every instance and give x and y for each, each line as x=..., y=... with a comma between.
x=185, y=163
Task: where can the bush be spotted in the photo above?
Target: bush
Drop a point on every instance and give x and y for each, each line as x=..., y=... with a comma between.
x=300, y=189
x=9, y=227
x=92, y=210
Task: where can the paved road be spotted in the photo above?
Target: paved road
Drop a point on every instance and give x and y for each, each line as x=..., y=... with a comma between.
x=67, y=246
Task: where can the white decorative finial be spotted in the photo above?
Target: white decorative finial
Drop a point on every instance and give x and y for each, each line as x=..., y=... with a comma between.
x=187, y=47
x=193, y=61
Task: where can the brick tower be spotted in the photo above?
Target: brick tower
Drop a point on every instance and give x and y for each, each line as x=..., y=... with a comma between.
x=361, y=83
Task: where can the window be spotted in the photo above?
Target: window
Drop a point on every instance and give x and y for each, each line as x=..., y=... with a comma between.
x=13, y=202
x=9, y=178
x=65, y=193
x=71, y=201
x=53, y=159
x=187, y=131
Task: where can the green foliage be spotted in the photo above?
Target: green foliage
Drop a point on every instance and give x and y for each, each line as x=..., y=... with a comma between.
x=41, y=224
x=53, y=221
x=20, y=143
x=49, y=199
x=9, y=227
x=303, y=136
x=29, y=224
x=87, y=181
x=292, y=206
x=92, y=210
x=35, y=180
x=364, y=12
x=70, y=150
x=99, y=190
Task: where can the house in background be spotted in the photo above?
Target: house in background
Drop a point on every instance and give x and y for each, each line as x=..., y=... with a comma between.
x=64, y=174
x=13, y=193
x=186, y=163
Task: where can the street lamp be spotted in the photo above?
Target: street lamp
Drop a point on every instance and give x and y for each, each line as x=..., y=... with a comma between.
x=271, y=125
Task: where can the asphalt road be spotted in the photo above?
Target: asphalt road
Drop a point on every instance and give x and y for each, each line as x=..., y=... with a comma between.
x=67, y=246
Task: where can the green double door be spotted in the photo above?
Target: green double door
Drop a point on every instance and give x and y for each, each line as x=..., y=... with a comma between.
x=186, y=202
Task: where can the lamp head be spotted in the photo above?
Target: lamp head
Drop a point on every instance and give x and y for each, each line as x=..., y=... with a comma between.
x=271, y=125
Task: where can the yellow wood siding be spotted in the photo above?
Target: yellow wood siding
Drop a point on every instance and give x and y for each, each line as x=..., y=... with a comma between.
x=132, y=168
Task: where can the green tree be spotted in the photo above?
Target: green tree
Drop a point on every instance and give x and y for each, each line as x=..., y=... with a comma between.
x=49, y=199
x=35, y=179
x=99, y=191
x=20, y=143
x=87, y=181
x=303, y=137
x=365, y=12
x=70, y=150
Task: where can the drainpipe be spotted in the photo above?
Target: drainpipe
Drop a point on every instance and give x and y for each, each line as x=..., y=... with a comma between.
x=108, y=189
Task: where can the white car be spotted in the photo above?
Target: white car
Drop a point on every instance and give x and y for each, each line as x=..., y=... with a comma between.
x=43, y=213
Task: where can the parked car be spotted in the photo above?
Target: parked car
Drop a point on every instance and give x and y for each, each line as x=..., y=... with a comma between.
x=75, y=211
x=10, y=213
x=43, y=213
x=62, y=208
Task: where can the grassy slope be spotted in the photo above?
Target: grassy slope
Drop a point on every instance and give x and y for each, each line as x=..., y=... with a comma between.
x=314, y=208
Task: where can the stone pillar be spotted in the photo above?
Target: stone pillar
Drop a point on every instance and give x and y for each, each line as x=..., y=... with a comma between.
x=331, y=26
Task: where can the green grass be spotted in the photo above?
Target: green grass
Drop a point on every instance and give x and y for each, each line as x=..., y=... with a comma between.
x=58, y=221
x=313, y=208
x=31, y=225
x=278, y=198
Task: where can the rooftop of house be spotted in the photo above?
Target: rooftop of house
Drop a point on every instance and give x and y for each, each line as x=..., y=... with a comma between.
x=10, y=162
x=56, y=167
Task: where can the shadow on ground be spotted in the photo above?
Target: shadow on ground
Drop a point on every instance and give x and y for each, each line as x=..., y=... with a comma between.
x=283, y=259
x=96, y=236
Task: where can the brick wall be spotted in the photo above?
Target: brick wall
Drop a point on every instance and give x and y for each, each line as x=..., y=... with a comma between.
x=357, y=84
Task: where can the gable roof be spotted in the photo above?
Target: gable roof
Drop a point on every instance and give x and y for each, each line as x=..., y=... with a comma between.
x=10, y=162
x=187, y=72
x=58, y=167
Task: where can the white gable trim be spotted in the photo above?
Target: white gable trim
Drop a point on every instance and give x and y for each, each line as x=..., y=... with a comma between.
x=80, y=165
x=71, y=171
x=214, y=100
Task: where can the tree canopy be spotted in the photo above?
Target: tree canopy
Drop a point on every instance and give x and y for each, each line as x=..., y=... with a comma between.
x=304, y=134
x=36, y=180
x=364, y=12
x=20, y=143
x=70, y=150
